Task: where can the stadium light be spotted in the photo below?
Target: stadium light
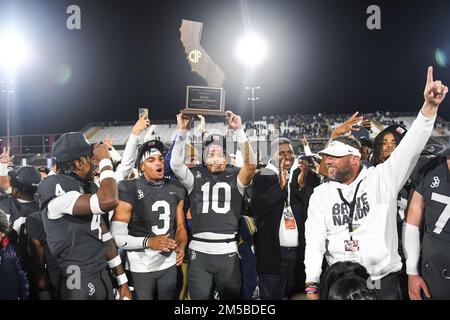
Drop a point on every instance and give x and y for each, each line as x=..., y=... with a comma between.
x=13, y=50
x=251, y=50
x=13, y=54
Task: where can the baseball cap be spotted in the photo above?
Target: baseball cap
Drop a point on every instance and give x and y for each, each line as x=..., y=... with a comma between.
x=27, y=176
x=339, y=149
x=71, y=146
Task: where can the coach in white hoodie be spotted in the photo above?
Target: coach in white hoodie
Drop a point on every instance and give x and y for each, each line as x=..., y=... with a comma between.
x=370, y=238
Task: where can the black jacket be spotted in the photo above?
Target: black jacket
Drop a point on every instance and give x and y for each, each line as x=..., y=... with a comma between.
x=267, y=204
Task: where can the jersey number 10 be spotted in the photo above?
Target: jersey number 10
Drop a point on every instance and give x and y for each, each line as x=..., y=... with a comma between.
x=215, y=197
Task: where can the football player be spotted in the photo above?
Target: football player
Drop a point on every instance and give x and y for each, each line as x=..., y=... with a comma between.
x=149, y=224
x=216, y=197
x=429, y=207
x=72, y=216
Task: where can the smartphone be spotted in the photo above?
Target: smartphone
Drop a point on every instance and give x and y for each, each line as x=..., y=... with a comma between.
x=143, y=112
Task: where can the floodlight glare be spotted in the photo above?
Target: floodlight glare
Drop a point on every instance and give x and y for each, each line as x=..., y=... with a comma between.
x=13, y=51
x=251, y=49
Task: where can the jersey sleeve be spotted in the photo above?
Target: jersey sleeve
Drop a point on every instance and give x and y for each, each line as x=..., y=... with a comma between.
x=420, y=188
x=127, y=191
x=62, y=204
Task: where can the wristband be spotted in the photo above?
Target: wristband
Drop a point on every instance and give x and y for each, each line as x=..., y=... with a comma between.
x=95, y=204
x=107, y=174
x=114, y=262
x=121, y=279
x=104, y=163
x=241, y=137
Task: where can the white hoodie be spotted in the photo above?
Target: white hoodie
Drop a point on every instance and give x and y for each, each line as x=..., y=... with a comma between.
x=375, y=211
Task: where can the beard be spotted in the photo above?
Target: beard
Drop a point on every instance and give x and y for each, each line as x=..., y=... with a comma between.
x=341, y=175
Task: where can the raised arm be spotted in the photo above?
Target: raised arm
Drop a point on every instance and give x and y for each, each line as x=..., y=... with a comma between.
x=106, y=198
x=181, y=171
x=394, y=172
x=130, y=152
x=247, y=172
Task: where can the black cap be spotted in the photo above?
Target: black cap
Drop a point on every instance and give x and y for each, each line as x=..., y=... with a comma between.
x=147, y=146
x=27, y=176
x=71, y=146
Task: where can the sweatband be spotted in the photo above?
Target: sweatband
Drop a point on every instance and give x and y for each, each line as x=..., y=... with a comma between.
x=106, y=236
x=123, y=240
x=149, y=153
x=95, y=204
x=114, y=262
x=121, y=279
x=105, y=163
x=107, y=174
x=3, y=169
x=241, y=137
x=411, y=247
x=115, y=156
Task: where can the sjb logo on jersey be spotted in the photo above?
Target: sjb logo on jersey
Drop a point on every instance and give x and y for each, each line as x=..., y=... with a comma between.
x=193, y=255
x=91, y=289
x=140, y=194
x=435, y=182
x=198, y=175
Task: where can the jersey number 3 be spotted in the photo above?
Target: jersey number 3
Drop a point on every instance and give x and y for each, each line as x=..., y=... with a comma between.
x=215, y=197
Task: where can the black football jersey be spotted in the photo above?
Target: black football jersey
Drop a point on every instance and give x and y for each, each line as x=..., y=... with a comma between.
x=216, y=203
x=435, y=188
x=73, y=240
x=154, y=207
x=16, y=209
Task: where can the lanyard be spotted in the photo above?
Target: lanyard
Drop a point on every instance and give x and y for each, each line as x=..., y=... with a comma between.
x=352, y=208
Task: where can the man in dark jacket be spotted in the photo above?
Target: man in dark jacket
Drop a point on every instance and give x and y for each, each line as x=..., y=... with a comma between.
x=14, y=283
x=279, y=201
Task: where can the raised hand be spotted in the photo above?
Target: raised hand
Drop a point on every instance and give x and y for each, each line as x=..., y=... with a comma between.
x=347, y=126
x=304, y=140
x=140, y=125
x=435, y=91
x=5, y=158
x=283, y=176
x=101, y=152
x=202, y=126
x=234, y=121
x=301, y=180
x=108, y=141
x=182, y=122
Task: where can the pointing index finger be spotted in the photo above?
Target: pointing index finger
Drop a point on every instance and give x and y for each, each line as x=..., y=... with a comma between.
x=430, y=75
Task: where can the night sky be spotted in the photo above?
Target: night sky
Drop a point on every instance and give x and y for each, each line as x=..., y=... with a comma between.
x=322, y=58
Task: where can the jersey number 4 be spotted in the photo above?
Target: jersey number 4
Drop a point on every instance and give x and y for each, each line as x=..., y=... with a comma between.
x=215, y=197
x=445, y=215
